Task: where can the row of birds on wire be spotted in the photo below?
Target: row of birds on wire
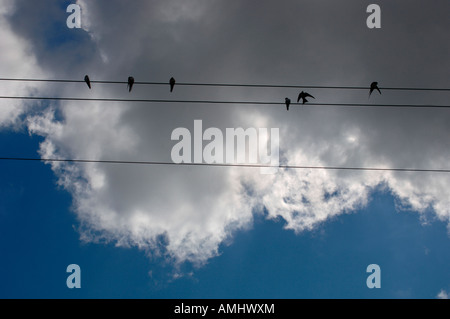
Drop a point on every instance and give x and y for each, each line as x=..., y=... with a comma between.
x=301, y=96
x=130, y=82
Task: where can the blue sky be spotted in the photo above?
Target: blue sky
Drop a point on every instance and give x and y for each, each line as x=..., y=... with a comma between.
x=165, y=232
x=39, y=241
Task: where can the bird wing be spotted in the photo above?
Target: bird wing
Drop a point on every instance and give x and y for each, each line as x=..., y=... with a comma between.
x=307, y=94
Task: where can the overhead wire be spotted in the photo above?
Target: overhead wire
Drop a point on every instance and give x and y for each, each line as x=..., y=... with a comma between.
x=224, y=102
x=219, y=85
x=31, y=159
x=228, y=84
x=56, y=98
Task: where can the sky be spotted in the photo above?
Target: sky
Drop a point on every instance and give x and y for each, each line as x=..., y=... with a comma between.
x=165, y=231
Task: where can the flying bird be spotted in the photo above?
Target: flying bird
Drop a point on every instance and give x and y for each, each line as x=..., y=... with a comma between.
x=288, y=102
x=130, y=83
x=88, y=82
x=172, y=83
x=374, y=86
x=303, y=96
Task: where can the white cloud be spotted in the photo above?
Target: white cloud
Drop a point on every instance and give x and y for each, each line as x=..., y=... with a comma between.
x=186, y=213
x=136, y=205
x=442, y=294
x=17, y=60
x=7, y=7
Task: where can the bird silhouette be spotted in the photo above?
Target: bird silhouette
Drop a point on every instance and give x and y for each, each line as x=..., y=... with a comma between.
x=130, y=83
x=374, y=86
x=88, y=82
x=303, y=96
x=172, y=83
x=288, y=102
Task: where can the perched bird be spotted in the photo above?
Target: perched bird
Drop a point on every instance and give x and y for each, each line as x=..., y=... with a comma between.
x=130, y=83
x=288, y=102
x=374, y=86
x=172, y=83
x=88, y=82
x=303, y=96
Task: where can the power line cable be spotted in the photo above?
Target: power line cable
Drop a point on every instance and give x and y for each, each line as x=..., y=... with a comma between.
x=229, y=85
x=218, y=102
x=29, y=159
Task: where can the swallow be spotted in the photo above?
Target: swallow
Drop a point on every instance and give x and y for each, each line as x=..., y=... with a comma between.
x=172, y=83
x=88, y=82
x=303, y=96
x=288, y=102
x=130, y=83
x=374, y=86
